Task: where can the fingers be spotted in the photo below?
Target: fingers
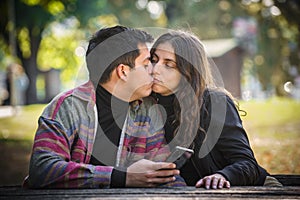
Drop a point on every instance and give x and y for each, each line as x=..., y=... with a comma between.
x=227, y=184
x=146, y=173
x=153, y=179
x=163, y=165
x=154, y=182
x=206, y=182
x=145, y=165
x=162, y=176
x=160, y=180
x=165, y=172
x=200, y=183
x=214, y=181
x=221, y=183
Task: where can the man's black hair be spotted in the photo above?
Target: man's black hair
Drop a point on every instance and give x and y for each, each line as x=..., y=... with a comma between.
x=110, y=47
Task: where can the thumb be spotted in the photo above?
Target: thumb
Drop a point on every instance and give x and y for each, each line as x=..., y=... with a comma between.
x=200, y=183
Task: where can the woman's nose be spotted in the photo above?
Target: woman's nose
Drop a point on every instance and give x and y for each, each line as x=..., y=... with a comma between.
x=155, y=69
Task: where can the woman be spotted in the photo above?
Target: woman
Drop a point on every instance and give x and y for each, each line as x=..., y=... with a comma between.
x=201, y=116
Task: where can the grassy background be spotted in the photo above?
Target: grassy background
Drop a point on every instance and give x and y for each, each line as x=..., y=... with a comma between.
x=16, y=138
x=273, y=127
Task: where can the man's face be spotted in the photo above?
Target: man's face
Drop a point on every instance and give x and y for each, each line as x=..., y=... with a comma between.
x=139, y=79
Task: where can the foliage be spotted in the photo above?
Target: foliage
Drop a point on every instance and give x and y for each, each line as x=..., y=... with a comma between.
x=4, y=58
x=208, y=19
x=31, y=18
x=277, y=34
x=57, y=49
x=279, y=40
x=135, y=15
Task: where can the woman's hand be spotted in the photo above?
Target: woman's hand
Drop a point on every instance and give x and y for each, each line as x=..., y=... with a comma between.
x=215, y=181
x=146, y=173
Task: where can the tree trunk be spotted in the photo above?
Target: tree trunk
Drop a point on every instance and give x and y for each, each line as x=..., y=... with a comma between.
x=31, y=68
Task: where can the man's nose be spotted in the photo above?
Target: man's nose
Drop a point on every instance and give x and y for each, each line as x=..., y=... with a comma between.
x=150, y=68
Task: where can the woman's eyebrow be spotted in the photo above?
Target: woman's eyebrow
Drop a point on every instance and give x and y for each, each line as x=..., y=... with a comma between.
x=165, y=59
x=170, y=60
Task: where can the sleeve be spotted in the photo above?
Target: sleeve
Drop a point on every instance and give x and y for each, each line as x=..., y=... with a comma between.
x=118, y=178
x=51, y=165
x=241, y=166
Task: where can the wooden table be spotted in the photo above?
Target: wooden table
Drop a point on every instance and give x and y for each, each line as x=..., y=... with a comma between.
x=290, y=190
x=286, y=192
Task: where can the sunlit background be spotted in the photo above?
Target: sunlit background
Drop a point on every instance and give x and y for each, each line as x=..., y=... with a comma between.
x=254, y=43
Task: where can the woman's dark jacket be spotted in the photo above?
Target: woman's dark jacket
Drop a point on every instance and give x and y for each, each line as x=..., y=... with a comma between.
x=225, y=150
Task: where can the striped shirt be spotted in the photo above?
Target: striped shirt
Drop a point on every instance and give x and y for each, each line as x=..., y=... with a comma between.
x=66, y=134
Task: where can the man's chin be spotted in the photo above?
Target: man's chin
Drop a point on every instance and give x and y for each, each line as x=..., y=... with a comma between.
x=144, y=91
x=147, y=91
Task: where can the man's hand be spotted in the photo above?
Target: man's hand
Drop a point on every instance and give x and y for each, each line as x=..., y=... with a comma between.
x=146, y=173
x=213, y=181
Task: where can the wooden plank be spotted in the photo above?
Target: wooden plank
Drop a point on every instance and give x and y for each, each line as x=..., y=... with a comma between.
x=287, y=192
x=291, y=190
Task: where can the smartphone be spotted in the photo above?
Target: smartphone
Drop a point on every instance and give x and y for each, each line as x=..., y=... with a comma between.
x=179, y=156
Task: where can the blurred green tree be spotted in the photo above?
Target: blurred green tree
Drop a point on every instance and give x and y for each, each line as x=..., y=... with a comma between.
x=30, y=22
x=277, y=39
x=139, y=13
x=23, y=22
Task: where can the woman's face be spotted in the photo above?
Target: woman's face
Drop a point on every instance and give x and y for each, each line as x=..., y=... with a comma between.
x=166, y=76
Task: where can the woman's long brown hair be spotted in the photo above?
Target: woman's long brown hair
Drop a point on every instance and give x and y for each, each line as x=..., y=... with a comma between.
x=192, y=63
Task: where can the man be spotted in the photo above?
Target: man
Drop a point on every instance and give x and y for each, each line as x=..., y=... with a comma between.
x=71, y=151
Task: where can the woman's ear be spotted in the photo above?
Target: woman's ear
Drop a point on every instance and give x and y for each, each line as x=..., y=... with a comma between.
x=122, y=71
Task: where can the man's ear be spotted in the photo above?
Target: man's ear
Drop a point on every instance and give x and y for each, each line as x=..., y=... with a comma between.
x=122, y=71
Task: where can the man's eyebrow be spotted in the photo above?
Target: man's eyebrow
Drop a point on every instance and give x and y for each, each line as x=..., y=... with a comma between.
x=147, y=59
